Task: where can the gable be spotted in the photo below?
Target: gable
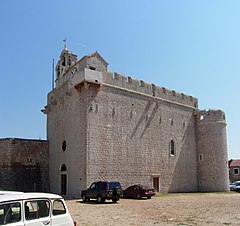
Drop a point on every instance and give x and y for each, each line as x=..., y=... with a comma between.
x=93, y=61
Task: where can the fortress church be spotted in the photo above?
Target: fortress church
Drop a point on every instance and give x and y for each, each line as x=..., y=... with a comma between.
x=106, y=126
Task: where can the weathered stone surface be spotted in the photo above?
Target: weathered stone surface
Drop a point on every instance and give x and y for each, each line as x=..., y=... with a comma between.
x=125, y=129
x=24, y=164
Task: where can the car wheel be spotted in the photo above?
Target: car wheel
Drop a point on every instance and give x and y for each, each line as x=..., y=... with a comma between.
x=84, y=198
x=138, y=196
x=149, y=197
x=100, y=199
x=114, y=200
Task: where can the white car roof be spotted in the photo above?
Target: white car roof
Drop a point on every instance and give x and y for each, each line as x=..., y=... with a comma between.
x=11, y=196
x=10, y=192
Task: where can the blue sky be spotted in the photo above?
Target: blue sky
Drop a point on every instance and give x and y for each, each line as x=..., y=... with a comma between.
x=189, y=46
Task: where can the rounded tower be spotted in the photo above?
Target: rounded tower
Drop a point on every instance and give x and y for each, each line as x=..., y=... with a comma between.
x=212, y=151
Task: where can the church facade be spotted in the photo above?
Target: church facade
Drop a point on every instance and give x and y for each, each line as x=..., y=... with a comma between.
x=106, y=126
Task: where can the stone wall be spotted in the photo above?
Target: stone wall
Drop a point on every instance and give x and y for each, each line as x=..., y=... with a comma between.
x=24, y=164
x=67, y=109
x=129, y=137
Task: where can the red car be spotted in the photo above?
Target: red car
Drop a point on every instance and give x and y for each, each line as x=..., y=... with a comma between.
x=138, y=191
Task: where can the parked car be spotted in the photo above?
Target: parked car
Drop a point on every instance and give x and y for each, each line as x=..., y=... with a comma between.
x=138, y=191
x=237, y=188
x=34, y=209
x=103, y=190
x=3, y=192
x=233, y=185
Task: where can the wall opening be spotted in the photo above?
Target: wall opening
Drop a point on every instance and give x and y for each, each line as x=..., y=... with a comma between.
x=235, y=171
x=63, y=180
x=156, y=183
x=63, y=184
x=172, y=148
x=64, y=145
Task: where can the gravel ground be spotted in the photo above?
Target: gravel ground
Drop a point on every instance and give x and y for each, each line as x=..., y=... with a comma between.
x=165, y=209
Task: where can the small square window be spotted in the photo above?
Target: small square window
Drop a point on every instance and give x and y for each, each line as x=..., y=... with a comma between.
x=235, y=171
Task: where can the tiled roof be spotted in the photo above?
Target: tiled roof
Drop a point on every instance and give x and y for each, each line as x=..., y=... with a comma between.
x=235, y=163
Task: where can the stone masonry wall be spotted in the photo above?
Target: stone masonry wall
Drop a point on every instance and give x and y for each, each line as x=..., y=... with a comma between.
x=212, y=151
x=129, y=138
x=24, y=164
x=67, y=123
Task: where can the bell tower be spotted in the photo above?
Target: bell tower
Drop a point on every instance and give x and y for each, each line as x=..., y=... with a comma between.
x=67, y=60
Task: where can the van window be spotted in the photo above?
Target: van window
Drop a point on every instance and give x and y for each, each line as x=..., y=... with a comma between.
x=36, y=209
x=10, y=213
x=58, y=207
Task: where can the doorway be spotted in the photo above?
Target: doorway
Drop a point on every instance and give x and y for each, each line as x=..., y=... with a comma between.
x=63, y=184
x=156, y=183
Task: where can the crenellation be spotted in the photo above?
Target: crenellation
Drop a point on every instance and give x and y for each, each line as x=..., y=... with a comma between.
x=135, y=83
x=153, y=90
x=124, y=78
x=96, y=62
x=150, y=89
x=116, y=75
x=211, y=116
x=129, y=79
x=161, y=92
x=108, y=77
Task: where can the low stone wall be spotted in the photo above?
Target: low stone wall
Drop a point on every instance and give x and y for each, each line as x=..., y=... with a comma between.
x=24, y=164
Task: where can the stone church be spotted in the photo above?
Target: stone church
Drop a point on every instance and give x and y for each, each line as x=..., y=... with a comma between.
x=106, y=126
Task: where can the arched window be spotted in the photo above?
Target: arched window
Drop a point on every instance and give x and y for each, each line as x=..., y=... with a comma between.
x=172, y=148
x=63, y=167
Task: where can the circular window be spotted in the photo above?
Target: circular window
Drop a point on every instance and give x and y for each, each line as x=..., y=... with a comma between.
x=64, y=145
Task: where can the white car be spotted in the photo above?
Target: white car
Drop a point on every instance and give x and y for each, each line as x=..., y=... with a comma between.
x=234, y=185
x=34, y=209
x=2, y=192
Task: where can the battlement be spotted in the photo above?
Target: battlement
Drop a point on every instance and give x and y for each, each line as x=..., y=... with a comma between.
x=94, y=67
x=129, y=83
x=207, y=116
